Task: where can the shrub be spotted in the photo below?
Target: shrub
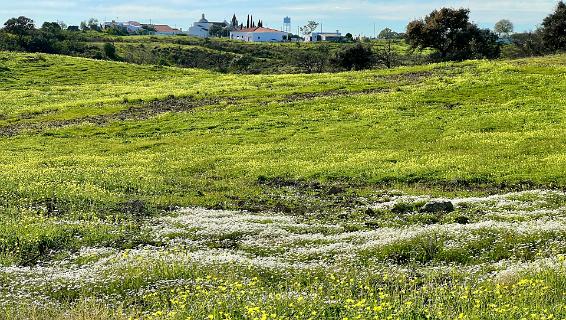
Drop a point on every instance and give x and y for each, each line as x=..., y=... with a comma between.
x=524, y=45
x=358, y=57
x=110, y=51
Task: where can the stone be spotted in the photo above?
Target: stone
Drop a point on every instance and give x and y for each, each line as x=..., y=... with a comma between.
x=438, y=206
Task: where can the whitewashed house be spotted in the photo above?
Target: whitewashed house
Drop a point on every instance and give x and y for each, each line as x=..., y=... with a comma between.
x=201, y=28
x=133, y=26
x=259, y=34
x=325, y=36
x=130, y=26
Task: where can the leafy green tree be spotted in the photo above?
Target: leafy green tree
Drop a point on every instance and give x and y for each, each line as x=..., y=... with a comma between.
x=117, y=30
x=553, y=29
x=43, y=42
x=219, y=31
x=84, y=26
x=387, y=33
x=20, y=27
x=91, y=24
x=9, y=42
x=484, y=44
x=450, y=32
x=504, y=28
x=51, y=27
x=94, y=25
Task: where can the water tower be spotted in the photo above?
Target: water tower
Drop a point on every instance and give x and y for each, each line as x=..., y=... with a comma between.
x=287, y=24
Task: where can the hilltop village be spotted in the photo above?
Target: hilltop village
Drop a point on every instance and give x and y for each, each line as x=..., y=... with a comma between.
x=250, y=31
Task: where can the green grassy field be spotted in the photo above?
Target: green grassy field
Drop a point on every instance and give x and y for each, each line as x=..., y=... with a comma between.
x=98, y=158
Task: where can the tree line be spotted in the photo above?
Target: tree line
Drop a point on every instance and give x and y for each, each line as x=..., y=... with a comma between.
x=20, y=34
x=444, y=35
x=451, y=36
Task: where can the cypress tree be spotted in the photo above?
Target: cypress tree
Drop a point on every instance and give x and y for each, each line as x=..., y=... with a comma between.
x=234, y=21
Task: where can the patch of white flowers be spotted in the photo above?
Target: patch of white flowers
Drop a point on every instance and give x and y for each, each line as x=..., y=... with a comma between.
x=274, y=241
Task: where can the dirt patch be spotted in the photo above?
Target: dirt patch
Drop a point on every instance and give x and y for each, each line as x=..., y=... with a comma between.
x=280, y=182
x=34, y=114
x=311, y=197
x=296, y=97
x=138, y=111
x=410, y=76
x=300, y=196
x=400, y=79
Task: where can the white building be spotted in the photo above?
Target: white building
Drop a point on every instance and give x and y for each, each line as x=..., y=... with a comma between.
x=324, y=36
x=130, y=26
x=259, y=34
x=133, y=26
x=201, y=28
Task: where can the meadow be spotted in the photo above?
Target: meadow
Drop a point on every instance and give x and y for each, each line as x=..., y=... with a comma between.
x=157, y=192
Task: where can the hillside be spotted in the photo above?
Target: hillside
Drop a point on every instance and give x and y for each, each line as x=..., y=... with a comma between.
x=223, y=55
x=216, y=54
x=471, y=124
x=97, y=158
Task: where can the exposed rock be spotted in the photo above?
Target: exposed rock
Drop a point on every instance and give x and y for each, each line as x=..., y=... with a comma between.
x=334, y=190
x=437, y=206
x=462, y=220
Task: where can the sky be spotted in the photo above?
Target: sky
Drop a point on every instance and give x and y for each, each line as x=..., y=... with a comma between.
x=359, y=17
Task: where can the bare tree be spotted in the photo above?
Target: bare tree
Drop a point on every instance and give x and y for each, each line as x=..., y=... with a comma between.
x=386, y=54
x=309, y=28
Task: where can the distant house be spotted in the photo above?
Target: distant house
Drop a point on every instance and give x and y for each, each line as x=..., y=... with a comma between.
x=202, y=27
x=259, y=34
x=130, y=26
x=325, y=36
x=165, y=30
x=133, y=26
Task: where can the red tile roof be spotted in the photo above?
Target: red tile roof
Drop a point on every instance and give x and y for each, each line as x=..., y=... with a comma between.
x=164, y=28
